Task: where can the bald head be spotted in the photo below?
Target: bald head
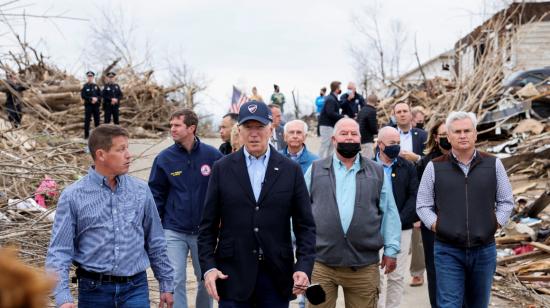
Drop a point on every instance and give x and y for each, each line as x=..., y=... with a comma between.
x=346, y=130
x=351, y=86
x=386, y=133
x=372, y=100
x=345, y=123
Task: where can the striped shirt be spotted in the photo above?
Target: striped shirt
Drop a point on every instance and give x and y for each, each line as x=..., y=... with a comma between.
x=115, y=232
x=425, y=204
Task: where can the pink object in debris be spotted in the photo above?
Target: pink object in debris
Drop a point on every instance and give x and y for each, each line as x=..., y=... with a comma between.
x=47, y=188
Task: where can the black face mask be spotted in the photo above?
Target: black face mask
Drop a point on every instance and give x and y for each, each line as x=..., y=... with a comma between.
x=445, y=144
x=420, y=125
x=392, y=151
x=348, y=150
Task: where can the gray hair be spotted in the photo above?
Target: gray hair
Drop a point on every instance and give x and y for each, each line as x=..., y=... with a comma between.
x=287, y=125
x=460, y=115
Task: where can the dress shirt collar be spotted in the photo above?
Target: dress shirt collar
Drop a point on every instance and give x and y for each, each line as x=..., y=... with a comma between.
x=297, y=155
x=378, y=159
x=402, y=132
x=249, y=157
x=339, y=164
x=100, y=179
x=469, y=161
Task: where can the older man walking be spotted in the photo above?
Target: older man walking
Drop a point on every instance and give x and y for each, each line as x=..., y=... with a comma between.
x=253, y=197
x=404, y=180
x=295, y=137
x=355, y=216
x=464, y=197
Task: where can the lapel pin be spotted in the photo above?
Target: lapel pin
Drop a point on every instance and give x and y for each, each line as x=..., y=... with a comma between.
x=393, y=174
x=276, y=169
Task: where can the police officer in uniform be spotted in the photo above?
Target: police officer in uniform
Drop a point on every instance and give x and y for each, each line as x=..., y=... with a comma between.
x=111, y=99
x=91, y=94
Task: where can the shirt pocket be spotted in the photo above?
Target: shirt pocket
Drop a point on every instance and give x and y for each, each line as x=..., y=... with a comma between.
x=131, y=209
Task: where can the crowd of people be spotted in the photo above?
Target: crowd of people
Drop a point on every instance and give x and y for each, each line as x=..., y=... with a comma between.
x=264, y=218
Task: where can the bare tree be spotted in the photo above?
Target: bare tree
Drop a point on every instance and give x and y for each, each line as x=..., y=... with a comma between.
x=190, y=82
x=377, y=58
x=114, y=36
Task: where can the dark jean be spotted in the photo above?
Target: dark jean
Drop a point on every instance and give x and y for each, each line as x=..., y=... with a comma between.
x=464, y=274
x=265, y=294
x=428, y=238
x=134, y=294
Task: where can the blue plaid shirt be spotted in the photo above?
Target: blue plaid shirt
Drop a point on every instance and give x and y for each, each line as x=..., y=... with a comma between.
x=115, y=232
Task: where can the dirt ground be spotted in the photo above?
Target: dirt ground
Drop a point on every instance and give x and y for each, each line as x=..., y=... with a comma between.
x=144, y=152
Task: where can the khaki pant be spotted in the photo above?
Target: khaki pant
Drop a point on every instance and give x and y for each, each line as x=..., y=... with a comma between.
x=392, y=285
x=360, y=285
x=418, y=265
x=326, y=148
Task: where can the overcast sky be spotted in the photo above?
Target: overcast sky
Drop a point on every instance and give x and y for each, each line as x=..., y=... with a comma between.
x=299, y=45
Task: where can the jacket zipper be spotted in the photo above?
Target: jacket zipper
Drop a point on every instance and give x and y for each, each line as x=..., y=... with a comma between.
x=467, y=213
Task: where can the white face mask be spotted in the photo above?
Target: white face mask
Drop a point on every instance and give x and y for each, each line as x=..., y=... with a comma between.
x=349, y=92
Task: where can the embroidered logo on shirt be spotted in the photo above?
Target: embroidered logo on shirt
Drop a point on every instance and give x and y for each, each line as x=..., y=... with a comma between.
x=175, y=173
x=205, y=170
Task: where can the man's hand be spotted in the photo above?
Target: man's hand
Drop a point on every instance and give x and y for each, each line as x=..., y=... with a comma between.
x=301, y=282
x=417, y=224
x=68, y=305
x=210, y=283
x=389, y=264
x=114, y=101
x=434, y=227
x=410, y=156
x=166, y=298
x=94, y=100
x=351, y=95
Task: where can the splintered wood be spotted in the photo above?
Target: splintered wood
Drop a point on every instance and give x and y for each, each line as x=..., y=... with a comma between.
x=54, y=97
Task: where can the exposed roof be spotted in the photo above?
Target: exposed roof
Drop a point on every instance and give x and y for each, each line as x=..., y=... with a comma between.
x=517, y=13
x=446, y=55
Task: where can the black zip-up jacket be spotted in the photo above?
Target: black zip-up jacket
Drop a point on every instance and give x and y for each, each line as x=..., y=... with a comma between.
x=465, y=204
x=330, y=114
x=368, y=124
x=421, y=165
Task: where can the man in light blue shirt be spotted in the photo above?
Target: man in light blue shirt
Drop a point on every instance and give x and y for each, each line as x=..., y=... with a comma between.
x=108, y=225
x=355, y=216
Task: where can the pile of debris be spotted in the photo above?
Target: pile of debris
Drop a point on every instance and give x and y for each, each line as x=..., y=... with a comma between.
x=514, y=126
x=54, y=98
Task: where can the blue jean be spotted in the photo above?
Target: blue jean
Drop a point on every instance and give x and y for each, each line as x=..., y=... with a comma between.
x=265, y=294
x=178, y=246
x=464, y=274
x=134, y=294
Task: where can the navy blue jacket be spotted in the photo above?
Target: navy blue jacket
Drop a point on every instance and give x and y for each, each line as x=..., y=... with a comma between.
x=305, y=160
x=351, y=108
x=419, y=138
x=178, y=181
x=331, y=111
x=405, y=187
x=234, y=226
